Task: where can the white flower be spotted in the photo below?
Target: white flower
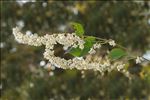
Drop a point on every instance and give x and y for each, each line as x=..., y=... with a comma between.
x=42, y=63
x=81, y=46
x=51, y=73
x=97, y=46
x=31, y=85
x=112, y=43
x=65, y=47
x=75, y=46
x=92, y=51
x=139, y=60
x=2, y=44
x=28, y=32
x=120, y=66
x=79, y=58
x=20, y=23
x=68, y=40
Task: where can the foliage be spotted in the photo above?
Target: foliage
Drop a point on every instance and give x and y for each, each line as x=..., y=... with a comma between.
x=77, y=52
x=116, y=53
x=78, y=28
x=89, y=41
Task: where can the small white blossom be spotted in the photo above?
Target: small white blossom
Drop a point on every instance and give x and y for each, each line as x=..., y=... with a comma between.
x=42, y=63
x=92, y=51
x=52, y=67
x=81, y=46
x=2, y=45
x=31, y=85
x=75, y=46
x=44, y=4
x=79, y=58
x=28, y=33
x=139, y=60
x=112, y=43
x=51, y=73
x=97, y=46
x=120, y=66
x=47, y=66
x=20, y=23
x=65, y=47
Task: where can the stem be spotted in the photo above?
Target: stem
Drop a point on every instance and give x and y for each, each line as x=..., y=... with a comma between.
x=122, y=47
x=96, y=38
x=104, y=41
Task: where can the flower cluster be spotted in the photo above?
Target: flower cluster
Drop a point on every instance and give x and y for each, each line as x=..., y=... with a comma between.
x=139, y=60
x=95, y=63
x=93, y=49
x=112, y=43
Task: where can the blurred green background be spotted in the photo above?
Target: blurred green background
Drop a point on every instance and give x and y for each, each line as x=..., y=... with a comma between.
x=23, y=76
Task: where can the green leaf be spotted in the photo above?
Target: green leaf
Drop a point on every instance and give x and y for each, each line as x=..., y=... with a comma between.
x=78, y=28
x=117, y=53
x=75, y=52
x=89, y=41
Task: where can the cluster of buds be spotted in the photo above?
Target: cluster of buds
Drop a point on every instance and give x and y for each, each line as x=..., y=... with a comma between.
x=95, y=63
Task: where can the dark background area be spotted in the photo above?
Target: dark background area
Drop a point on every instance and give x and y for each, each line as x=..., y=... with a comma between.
x=22, y=76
